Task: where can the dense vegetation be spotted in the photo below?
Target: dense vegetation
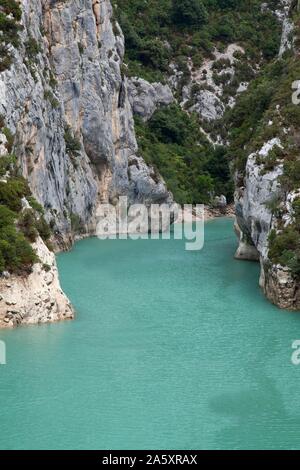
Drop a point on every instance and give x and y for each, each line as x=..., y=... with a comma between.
x=193, y=169
x=264, y=112
x=19, y=226
x=284, y=245
x=158, y=32
x=163, y=32
x=10, y=15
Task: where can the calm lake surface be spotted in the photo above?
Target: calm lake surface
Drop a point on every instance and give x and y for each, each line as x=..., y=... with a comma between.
x=170, y=349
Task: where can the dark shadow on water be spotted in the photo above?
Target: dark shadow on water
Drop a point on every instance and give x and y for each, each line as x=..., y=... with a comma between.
x=261, y=420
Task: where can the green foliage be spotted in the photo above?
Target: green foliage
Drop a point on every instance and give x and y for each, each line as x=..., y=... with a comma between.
x=12, y=192
x=73, y=145
x=76, y=223
x=35, y=205
x=26, y=224
x=9, y=137
x=18, y=227
x=33, y=48
x=268, y=99
x=284, y=246
x=33, y=224
x=189, y=12
x=16, y=253
x=284, y=249
x=11, y=7
x=17, y=232
x=7, y=217
x=46, y=267
x=7, y=163
x=49, y=96
x=10, y=15
x=172, y=125
x=43, y=228
x=194, y=171
x=273, y=205
x=160, y=31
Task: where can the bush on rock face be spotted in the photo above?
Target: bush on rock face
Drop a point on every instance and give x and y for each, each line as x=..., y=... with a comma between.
x=12, y=192
x=19, y=227
x=16, y=253
x=10, y=15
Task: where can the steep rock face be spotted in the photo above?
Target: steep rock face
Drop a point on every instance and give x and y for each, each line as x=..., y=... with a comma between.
x=287, y=27
x=67, y=104
x=204, y=93
x=65, y=101
x=145, y=98
x=264, y=203
x=255, y=221
x=37, y=298
x=253, y=215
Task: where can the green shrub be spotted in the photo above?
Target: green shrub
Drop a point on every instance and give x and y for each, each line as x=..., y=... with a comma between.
x=192, y=168
x=192, y=28
x=35, y=205
x=73, y=145
x=11, y=7
x=7, y=217
x=16, y=251
x=9, y=29
x=43, y=228
x=27, y=224
x=33, y=48
x=19, y=227
x=189, y=12
x=7, y=164
x=76, y=223
x=46, y=267
x=49, y=96
x=284, y=249
x=12, y=192
x=9, y=137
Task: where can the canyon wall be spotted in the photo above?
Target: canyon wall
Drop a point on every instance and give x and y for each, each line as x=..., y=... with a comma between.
x=65, y=101
x=267, y=190
x=67, y=104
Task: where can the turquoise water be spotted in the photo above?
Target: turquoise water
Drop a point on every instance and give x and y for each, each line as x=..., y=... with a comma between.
x=170, y=350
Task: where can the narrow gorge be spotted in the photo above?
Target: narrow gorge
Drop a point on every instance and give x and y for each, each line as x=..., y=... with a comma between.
x=64, y=104
x=194, y=105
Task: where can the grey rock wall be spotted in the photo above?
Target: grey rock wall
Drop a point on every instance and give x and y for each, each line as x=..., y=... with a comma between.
x=65, y=100
x=74, y=86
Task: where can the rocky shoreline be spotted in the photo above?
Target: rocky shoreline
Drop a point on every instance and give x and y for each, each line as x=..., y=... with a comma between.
x=35, y=298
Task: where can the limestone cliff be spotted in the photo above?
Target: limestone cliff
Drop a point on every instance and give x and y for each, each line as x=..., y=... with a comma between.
x=64, y=99
x=66, y=102
x=36, y=298
x=266, y=192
